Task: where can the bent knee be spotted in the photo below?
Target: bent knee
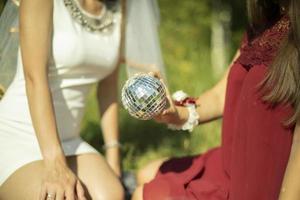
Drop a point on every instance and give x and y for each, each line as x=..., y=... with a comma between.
x=147, y=173
x=143, y=176
x=138, y=193
x=115, y=192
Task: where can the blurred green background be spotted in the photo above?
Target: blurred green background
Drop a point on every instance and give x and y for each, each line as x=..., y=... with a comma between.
x=198, y=39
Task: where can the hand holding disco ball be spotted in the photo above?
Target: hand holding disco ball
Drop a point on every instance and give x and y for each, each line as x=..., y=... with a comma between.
x=144, y=96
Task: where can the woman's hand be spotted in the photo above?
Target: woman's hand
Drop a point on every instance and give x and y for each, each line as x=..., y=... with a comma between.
x=60, y=183
x=36, y=24
x=173, y=114
x=176, y=115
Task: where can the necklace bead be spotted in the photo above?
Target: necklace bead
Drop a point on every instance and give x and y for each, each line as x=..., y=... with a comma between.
x=101, y=24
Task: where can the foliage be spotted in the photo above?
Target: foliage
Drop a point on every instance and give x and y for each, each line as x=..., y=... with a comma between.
x=185, y=40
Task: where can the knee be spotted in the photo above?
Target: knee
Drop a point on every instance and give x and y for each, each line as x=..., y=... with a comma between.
x=115, y=192
x=147, y=173
x=142, y=176
x=155, y=191
x=138, y=193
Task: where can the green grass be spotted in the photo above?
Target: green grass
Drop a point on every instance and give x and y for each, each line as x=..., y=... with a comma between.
x=185, y=40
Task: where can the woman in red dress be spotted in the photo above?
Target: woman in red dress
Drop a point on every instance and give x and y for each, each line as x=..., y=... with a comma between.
x=259, y=100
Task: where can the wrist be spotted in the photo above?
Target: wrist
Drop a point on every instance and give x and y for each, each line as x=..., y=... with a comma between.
x=183, y=115
x=112, y=152
x=187, y=112
x=113, y=157
x=55, y=156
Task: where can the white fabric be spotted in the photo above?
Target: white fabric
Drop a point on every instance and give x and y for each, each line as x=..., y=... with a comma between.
x=8, y=43
x=142, y=46
x=79, y=59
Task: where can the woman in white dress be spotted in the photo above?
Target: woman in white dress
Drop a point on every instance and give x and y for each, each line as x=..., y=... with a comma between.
x=65, y=47
x=42, y=155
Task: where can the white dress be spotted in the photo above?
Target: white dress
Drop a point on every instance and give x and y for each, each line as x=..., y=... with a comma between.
x=78, y=60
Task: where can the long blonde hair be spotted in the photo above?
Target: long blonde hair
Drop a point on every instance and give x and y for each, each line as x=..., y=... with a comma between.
x=283, y=78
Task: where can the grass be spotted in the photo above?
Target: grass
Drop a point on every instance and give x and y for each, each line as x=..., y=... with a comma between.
x=185, y=40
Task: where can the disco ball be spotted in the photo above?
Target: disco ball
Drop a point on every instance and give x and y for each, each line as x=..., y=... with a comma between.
x=144, y=96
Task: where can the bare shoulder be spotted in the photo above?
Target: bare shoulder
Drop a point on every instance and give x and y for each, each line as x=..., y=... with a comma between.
x=36, y=23
x=32, y=7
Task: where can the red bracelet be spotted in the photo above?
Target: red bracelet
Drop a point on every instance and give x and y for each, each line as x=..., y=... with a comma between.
x=186, y=101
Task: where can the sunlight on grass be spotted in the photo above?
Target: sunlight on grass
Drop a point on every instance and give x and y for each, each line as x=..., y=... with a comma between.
x=185, y=40
x=185, y=43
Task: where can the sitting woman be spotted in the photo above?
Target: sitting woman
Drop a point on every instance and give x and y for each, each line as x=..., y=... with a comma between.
x=66, y=46
x=259, y=100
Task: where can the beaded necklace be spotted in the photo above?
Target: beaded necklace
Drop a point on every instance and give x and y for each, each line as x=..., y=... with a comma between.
x=103, y=23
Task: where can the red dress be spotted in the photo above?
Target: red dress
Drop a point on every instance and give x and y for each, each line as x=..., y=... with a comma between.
x=255, y=148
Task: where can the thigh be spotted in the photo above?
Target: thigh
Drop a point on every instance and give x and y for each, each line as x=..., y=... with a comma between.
x=98, y=178
x=25, y=183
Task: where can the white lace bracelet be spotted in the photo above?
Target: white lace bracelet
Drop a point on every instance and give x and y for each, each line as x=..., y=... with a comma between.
x=193, y=119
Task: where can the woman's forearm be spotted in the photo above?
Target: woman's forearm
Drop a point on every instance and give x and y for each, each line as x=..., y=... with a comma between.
x=107, y=94
x=109, y=123
x=211, y=103
x=42, y=114
x=35, y=38
x=108, y=103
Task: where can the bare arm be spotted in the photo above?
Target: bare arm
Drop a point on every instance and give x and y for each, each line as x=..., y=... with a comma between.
x=211, y=104
x=107, y=94
x=35, y=34
x=290, y=189
x=35, y=38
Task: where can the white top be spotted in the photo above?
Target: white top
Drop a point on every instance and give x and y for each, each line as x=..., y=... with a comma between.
x=78, y=59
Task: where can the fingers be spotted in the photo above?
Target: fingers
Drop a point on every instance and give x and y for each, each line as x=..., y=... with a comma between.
x=169, y=96
x=158, y=75
x=155, y=74
x=59, y=195
x=80, y=191
x=43, y=193
x=158, y=119
x=70, y=194
x=50, y=195
x=170, y=101
x=171, y=109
